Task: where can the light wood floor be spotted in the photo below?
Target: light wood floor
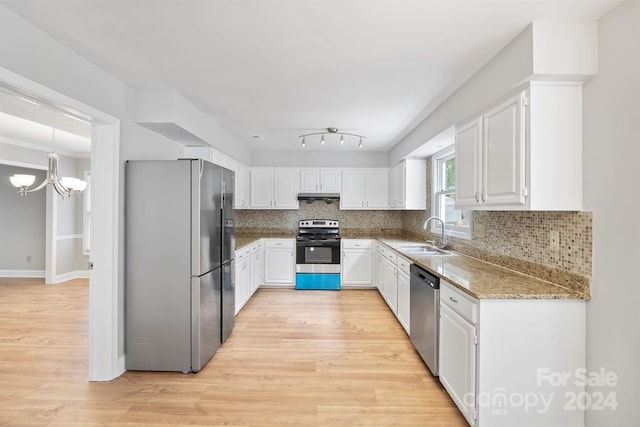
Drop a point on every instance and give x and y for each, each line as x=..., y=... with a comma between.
x=295, y=358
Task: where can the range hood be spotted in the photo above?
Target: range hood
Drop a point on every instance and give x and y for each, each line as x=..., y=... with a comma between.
x=325, y=197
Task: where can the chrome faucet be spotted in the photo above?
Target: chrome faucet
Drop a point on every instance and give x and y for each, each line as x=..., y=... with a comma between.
x=445, y=243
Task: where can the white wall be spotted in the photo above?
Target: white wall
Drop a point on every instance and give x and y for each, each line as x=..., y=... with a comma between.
x=564, y=51
x=22, y=224
x=70, y=262
x=38, y=57
x=611, y=152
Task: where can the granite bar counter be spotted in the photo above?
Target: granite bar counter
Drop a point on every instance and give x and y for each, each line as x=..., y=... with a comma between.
x=481, y=279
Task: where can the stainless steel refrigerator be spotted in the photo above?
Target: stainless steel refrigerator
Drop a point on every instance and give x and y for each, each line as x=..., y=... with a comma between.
x=179, y=280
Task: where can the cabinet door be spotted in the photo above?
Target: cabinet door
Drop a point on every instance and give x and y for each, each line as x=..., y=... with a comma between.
x=330, y=180
x=468, y=151
x=400, y=190
x=286, y=188
x=353, y=189
x=257, y=270
x=393, y=196
x=243, y=279
x=261, y=188
x=403, y=300
x=397, y=194
x=381, y=273
x=458, y=360
x=309, y=180
x=357, y=266
x=503, y=165
x=377, y=192
x=391, y=288
x=278, y=266
x=243, y=187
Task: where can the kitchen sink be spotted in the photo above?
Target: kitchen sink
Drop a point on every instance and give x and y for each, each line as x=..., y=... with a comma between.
x=422, y=250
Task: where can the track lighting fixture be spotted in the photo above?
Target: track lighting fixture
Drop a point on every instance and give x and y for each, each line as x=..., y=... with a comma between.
x=331, y=130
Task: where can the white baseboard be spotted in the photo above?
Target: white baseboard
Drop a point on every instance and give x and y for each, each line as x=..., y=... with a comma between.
x=81, y=274
x=121, y=366
x=358, y=287
x=22, y=273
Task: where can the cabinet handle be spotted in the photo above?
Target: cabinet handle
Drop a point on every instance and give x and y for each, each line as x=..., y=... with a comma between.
x=453, y=299
x=477, y=198
x=483, y=197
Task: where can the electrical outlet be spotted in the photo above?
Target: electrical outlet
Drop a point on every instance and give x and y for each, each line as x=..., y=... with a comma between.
x=478, y=231
x=28, y=258
x=554, y=240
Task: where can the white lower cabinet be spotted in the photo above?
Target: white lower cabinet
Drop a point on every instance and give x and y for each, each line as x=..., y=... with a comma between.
x=500, y=359
x=357, y=263
x=257, y=265
x=403, y=292
x=381, y=269
x=249, y=272
x=457, y=367
x=279, y=262
x=243, y=277
x=391, y=281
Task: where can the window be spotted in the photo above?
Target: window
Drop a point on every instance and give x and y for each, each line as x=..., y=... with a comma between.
x=457, y=222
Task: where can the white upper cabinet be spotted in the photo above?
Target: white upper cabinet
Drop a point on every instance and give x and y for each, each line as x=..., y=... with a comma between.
x=364, y=189
x=408, y=185
x=468, y=149
x=524, y=153
x=286, y=188
x=261, y=188
x=320, y=180
x=274, y=188
x=243, y=187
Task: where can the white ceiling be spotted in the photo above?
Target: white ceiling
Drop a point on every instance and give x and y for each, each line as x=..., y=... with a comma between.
x=281, y=68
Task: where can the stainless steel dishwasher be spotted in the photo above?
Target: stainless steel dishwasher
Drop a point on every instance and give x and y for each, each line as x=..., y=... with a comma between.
x=425, y=315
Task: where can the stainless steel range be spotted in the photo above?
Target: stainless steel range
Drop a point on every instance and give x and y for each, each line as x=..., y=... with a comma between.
x=318, y=254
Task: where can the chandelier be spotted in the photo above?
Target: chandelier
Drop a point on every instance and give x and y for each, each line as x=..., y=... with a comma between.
x=65, y=186
x=331, y=130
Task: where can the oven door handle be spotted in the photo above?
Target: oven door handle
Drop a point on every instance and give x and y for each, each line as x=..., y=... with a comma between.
x=327, y=242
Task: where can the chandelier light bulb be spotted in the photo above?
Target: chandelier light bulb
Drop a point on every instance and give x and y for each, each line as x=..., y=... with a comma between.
x=322, y=140
x=341, y=139
x=64, y=187
x=360, y=143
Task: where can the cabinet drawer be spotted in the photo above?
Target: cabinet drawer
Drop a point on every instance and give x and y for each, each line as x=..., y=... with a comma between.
x=381, y=249
x=357, y=244
x=242, y=254
x=404, y=265
x=460, y=303
x=392, y=256
x=279, y=243
x=257, y=246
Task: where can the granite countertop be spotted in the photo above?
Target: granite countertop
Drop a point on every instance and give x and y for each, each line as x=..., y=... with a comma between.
x=477, y=278
x=245, y=239
x=481, y=279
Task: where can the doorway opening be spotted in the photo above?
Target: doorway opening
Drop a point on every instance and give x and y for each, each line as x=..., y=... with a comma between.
x=106, y=352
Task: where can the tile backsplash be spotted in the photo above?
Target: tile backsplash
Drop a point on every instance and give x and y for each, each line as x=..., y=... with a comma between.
x=519, y=240
x=380, y=221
